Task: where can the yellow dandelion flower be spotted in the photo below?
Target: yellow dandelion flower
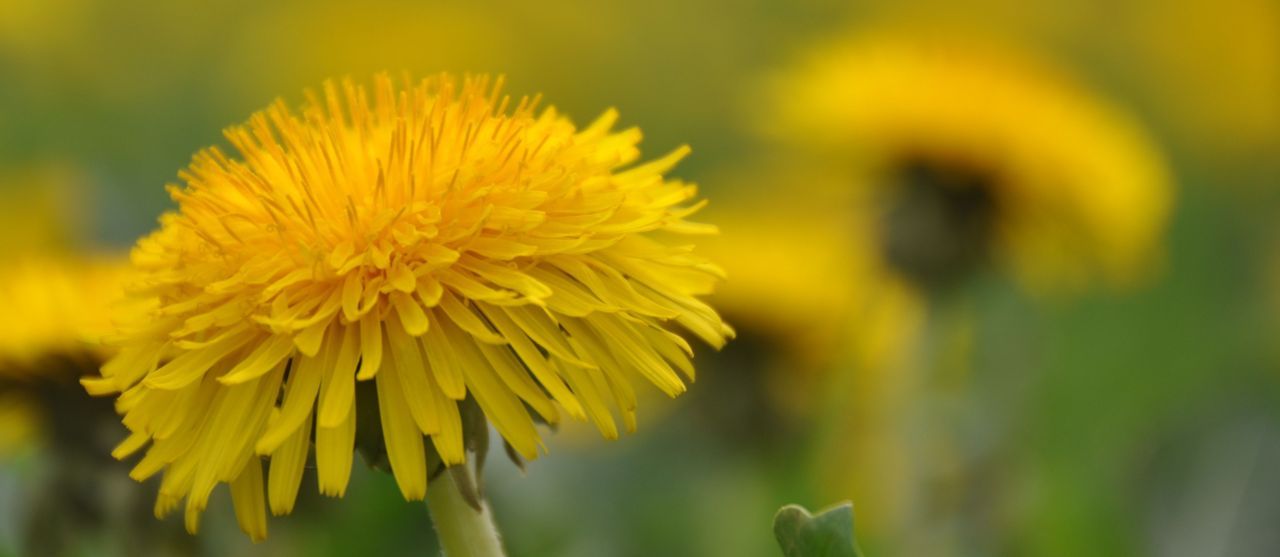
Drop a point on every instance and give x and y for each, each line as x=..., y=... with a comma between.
x=805, y=275
x=980, y=151
x=840, y=326
x=61, y=308
x=436, y=239
x=919, y=160
x=59, y=301
x=64, y=307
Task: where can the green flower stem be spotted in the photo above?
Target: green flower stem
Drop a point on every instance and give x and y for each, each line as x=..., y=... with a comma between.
x=463, y=530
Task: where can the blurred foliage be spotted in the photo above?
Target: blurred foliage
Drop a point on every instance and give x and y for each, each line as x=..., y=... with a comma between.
x=1142, y=422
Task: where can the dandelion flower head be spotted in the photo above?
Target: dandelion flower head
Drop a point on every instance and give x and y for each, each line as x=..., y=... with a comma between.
x=435, y=241
x=1023, y=159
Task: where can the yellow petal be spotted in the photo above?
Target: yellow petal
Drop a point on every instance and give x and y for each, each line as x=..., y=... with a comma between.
x=462, y=316
x=536, y=362
x=300, y=395
x=370, y=346
x=444, y=365
x=337, y=392
x=247, y=498
x=261, y=360
x=500, y=406
x=411, y=315
x=403, y=438
x=192, y=364
x=335, y=448
x=404, y=352
x=287, y=464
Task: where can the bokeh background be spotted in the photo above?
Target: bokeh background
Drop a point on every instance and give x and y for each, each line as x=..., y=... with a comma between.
x=1138, y=418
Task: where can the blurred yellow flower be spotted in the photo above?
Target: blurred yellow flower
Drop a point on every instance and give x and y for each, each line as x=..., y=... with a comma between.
x=60, y=300
x=804, y=274
x=63, y=306
x=977, y=151
x=805, y=277
x=62, y=309
x=906, y=162
x=1207, y=72
x=439, y=240
x=919, y=158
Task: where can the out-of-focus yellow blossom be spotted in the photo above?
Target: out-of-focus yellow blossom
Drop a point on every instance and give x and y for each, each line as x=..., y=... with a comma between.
x=1021, y=163
x=808, y=281
x=1073, y=185
x=804, y=274
x=457, y=250
x=1209, y=72
x=59, y=301
x=1045, y=176
x=60, y=306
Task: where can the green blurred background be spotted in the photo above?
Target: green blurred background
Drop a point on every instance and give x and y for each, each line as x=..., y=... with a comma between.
x=1139, y=422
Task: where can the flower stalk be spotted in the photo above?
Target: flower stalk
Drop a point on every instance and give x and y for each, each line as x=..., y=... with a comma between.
x=463, y=522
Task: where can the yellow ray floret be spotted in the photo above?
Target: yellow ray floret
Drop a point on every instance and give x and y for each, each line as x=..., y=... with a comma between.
x=435, y=238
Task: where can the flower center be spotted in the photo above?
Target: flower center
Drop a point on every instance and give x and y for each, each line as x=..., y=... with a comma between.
x=938, y=225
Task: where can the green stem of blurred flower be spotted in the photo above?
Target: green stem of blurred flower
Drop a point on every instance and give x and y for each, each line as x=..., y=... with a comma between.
x=463, y=530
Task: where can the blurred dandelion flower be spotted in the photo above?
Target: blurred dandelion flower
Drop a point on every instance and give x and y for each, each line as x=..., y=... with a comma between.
x=810, y=286
x=436, y=239
x=803, y=270
x=61, y=313
x=61, y=301
x=977, y=153
x=62, y=307
x=904, y=163
x=65, y=309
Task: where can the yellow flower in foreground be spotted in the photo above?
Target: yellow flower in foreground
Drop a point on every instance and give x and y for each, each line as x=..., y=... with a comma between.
x=976, y=151
x=438, y=240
